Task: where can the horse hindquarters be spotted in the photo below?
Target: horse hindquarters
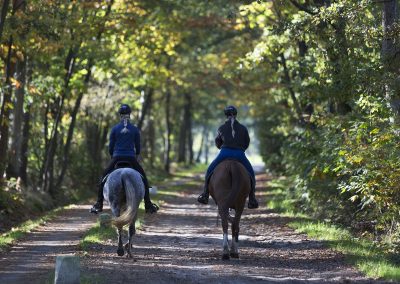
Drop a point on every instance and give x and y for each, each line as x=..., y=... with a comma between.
x=125, y=185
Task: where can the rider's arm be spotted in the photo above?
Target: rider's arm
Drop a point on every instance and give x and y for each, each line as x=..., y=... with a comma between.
x=247, y=139
x=218, y=140
x=137, y=142
x=112, y=142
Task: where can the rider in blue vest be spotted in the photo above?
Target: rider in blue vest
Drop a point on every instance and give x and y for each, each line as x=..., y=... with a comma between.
x=124, y=148
x=233, y=140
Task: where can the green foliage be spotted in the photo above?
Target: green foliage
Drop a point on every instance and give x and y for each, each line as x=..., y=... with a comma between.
x=325, y=120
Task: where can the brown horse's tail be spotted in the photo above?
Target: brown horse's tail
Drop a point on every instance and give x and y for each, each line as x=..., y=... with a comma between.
x=236, y=177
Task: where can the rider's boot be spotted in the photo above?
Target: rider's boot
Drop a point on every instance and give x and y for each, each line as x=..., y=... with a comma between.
x=98, y=206
x=203, y=198
x=252, y=204
x=148, y=205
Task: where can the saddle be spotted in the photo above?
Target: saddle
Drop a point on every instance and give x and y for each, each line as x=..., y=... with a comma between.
x=123, y=164
x=118, y=165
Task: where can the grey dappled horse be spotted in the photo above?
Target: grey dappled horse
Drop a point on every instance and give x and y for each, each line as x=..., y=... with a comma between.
x=124, y=190
x=229, y=186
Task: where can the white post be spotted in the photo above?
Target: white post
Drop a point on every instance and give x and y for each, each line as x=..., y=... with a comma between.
x=67, y=270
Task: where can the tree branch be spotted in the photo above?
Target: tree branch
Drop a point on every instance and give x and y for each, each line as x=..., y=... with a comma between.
x=303, y=7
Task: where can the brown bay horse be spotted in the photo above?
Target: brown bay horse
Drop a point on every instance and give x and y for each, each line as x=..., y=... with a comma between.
x=229, y=187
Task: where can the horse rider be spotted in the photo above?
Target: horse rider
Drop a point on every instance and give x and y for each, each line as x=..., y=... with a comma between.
x=233, y=140
x=124, y=147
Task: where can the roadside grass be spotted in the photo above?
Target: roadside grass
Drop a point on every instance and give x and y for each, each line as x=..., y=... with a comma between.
x=373, y=259
x=97, y=235
x=9, y=238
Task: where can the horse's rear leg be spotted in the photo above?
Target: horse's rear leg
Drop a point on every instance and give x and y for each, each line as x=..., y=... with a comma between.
x=235, y=236
x=128, y=245
x=132, y=231
x=120, y=250
x=223, y=212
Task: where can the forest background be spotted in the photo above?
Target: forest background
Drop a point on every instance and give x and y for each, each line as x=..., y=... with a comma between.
x=318, y=80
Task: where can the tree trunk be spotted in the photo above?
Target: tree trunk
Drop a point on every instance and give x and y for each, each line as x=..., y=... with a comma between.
x=182, y=139
x=71, y=128
x=48, y=174
x=6, y=109
x=391, y=53
x=167, y=154
x=94, y=143
x=185, y=134
x=151, y=142
x=202, y=142
x=4, y=10
x=389, y=17
x=291, y=90
x=18, y=113
x=148, y=102
x=207, y=147
x=189, y=127
x=24, y=146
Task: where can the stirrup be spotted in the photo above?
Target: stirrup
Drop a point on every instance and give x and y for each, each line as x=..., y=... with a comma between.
x=96, y=208
x=252, y=204
x=203, y=198
x=151, y=208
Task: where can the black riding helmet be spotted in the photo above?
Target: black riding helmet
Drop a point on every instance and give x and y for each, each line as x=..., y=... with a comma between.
x=230, y=111
x=124, y=109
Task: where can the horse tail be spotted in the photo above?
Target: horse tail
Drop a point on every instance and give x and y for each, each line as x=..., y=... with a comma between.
x=236, y=176
x=127, y=216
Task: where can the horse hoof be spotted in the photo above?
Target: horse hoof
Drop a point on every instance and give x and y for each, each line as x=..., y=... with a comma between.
x=120, y=252
x=234, y=255
x=128, y=255
x=225, y=256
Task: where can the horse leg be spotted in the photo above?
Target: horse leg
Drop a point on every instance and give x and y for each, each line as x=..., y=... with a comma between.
x=132, y=231
x=116, y=212
x=235, y=236
x=223, y=212
x=128, y=245
x=120, y=250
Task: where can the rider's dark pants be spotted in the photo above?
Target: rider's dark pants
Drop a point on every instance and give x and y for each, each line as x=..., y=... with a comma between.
x=135, y=165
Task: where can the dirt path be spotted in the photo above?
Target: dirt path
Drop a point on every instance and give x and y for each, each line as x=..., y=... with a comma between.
x=32, y=260
x=182, y=244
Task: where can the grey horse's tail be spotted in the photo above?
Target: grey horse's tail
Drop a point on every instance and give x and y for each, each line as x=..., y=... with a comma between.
x=127, y=216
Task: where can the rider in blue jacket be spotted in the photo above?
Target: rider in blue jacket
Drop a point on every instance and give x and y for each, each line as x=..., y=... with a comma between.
x=233, y=139
x=124, y=147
